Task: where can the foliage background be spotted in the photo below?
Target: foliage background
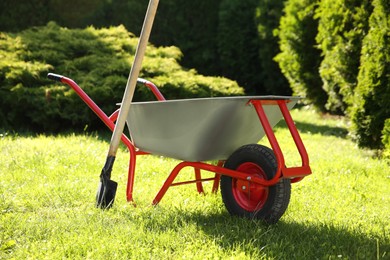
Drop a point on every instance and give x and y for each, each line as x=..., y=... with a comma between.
x=99, y=60
x=321, y=49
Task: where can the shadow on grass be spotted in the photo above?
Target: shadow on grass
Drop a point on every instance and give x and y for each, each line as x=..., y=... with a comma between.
x=283, y=240
x=324, y=130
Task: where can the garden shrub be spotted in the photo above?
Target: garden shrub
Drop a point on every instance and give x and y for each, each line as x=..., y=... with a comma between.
x=221, y=37
x=299, y=59
x=371, y=100
x=99, y=61
x=342, y=26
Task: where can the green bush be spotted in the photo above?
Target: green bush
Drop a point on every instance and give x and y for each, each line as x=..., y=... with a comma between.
x=221, y=37
x=342, y=26
x=99, y=61
x=299, y=59
x=372, y=95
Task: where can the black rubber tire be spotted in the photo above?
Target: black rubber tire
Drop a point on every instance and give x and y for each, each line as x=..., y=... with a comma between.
x=277, y=197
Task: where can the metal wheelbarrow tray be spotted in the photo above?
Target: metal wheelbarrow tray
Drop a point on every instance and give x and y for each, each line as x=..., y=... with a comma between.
x=200, y=129
x=254, y=180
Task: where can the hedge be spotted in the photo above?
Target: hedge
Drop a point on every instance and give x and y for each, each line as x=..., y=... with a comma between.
x=228, y=38
x=99, y=60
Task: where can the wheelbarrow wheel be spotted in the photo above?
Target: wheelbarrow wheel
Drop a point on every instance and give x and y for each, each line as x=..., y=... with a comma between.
x=250, y=200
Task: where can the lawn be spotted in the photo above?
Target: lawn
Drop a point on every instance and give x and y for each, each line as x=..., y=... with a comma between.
x=48, y=186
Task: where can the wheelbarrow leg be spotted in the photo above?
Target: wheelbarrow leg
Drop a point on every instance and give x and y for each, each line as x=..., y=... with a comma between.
x=132, y=161
x=131, y=175
x=198, y=177
x=217, y=178
x=168, y=182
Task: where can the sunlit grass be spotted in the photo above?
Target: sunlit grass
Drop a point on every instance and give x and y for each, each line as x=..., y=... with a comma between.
x=47, y=196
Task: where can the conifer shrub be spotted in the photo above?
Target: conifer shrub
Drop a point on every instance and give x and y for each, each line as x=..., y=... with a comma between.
x=99, y=60
x=342, y=27
x=299, y=58
x=371, y=100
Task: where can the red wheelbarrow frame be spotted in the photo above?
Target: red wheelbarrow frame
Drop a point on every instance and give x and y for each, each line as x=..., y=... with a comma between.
x=295, y=174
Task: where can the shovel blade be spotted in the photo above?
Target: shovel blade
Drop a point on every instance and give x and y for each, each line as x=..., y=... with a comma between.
x=105, y=195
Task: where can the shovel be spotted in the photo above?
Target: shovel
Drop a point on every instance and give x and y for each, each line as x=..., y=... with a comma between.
x=107, y=188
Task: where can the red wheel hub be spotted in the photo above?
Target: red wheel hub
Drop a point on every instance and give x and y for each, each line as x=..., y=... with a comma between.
x=248, y=195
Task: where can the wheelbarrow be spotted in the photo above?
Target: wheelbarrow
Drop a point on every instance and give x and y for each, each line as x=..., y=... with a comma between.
x=254, y=180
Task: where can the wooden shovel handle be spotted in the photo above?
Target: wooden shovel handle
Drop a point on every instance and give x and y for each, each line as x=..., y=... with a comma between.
x=132, y=80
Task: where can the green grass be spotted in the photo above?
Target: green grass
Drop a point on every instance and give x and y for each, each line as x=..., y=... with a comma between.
x=47, y=196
